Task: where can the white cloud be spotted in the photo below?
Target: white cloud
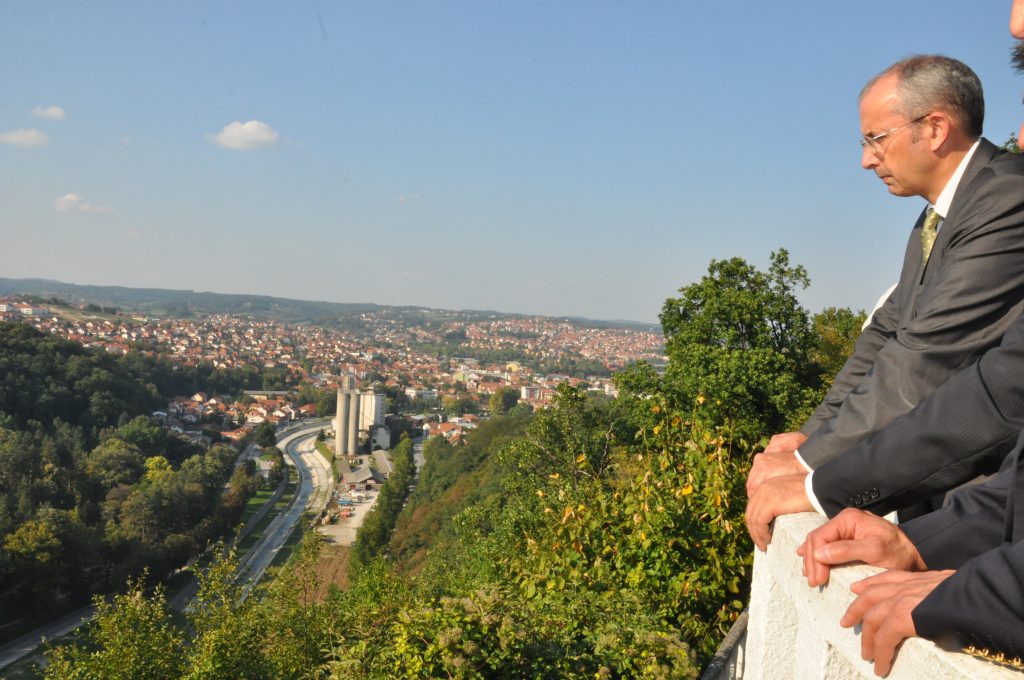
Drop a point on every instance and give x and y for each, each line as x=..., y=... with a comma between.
x=24, y=137
x=66, y=203
x=73, y=203
x=51, y=112
x=249, y=135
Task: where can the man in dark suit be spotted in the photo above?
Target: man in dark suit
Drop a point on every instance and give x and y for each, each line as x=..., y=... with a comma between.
x=921, y=120
x=942, y=315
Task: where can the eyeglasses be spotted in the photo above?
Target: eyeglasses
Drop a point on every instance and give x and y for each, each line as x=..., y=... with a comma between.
x=875, y=142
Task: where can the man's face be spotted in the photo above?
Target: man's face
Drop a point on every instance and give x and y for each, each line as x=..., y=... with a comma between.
x=901, y=159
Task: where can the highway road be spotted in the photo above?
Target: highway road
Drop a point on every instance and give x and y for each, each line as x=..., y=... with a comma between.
x=311, y=494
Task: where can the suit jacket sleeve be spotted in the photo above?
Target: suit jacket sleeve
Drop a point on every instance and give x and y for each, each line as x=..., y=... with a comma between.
x=979, y=536
x=972, y=523
x=949, y=313
x=882, y=327
x=981, y=602
x=962, y=430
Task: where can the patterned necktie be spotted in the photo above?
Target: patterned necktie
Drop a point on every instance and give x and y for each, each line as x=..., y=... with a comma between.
x=929, y=230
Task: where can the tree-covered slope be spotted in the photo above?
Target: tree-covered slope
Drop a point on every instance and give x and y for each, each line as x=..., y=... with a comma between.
x=91, y=490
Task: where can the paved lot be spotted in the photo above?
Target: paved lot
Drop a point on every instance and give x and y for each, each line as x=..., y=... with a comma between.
x=344, y=532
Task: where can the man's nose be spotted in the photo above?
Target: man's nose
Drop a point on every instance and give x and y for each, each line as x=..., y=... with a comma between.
x=868, y=158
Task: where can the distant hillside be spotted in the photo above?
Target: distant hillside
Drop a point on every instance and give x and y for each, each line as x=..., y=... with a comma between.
x=182, y=303
x=189, y=303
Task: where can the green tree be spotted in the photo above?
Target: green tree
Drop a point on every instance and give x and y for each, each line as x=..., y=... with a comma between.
x=131, y=637
x=836, y=330
x=741, y=337
x=228, y=631
x=47, y=555
x=144, y=433
x=375, y=532
x=503, y=400
x=327, y=405
x=157, y=467
x=115, y=462
x=264, y=434
x=460, y=406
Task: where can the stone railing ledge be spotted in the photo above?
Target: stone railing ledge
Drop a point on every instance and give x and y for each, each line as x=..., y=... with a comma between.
x=794, y=632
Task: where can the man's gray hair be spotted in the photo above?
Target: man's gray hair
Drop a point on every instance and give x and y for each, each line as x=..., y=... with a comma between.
x=932, y=82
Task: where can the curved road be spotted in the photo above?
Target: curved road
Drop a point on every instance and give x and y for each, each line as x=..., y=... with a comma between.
x=312, y=494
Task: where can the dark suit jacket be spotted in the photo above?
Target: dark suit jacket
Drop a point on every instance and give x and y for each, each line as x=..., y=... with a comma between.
x=962, y=430
x=942, y=316
x=981, y=535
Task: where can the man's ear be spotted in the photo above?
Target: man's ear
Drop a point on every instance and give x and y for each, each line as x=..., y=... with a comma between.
x=936, y=129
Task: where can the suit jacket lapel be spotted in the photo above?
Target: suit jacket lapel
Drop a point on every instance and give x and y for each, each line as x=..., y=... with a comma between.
x=979, y=161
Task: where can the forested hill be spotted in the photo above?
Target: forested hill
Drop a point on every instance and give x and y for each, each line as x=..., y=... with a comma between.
x=187, y=303
x=92, y=491
x=44, y=379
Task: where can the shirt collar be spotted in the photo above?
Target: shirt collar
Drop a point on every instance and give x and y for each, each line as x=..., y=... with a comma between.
x=945, y=199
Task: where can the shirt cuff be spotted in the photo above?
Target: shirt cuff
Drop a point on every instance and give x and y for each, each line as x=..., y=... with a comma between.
x=809, y=490
x=796, y=452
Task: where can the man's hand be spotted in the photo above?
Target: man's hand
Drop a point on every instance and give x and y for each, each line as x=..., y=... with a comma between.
x=857, y=536
x=777, y=496
x=884, y=605
x=768, y=465
x=785, y=442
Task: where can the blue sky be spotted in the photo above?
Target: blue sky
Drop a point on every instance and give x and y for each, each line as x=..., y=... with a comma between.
x=566, y=158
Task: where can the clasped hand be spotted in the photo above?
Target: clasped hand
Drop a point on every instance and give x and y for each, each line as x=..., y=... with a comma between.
x=777, y=496
x=778, y=459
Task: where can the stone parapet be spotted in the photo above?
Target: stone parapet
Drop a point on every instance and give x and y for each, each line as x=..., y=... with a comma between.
x=793, y=631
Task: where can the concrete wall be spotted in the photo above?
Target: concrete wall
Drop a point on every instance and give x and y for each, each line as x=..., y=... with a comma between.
x=793, y=631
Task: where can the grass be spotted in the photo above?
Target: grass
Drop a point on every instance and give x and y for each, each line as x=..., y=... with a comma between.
x=326, y=453
x=289, y=490
x=284, y=555
x=255, y=503
x=257, y=531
